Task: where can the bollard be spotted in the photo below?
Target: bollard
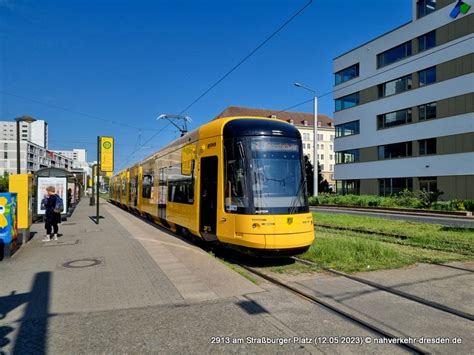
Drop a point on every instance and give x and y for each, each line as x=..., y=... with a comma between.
x=92, y=201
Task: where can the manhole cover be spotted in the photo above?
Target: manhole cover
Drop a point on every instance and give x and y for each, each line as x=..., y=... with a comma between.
x=82, y=263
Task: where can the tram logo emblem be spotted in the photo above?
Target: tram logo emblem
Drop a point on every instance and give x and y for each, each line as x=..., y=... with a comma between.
x=289, y=220
x=107, y=145
x=460, y=7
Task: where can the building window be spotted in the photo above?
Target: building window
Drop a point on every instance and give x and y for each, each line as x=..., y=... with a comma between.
x=348, y=187
x=427, y=76
x=394, y=118
x=330, y=146
x=427, y=111
x=395, y=86
x=5, y=155
x=428, y=184
x=322, y=146
x=347, y=101
x=322, y=167
x=393, y=186
x=347, y=156
x=308, y=146
x=347, y=129
x=321, y=138
x=322, y=156
x=427, y=41
x=347, y=74
x=427, y=146
x=394, y=54
x=306, y=136
x=425, y=7
x=331, y=167
x=396, y=150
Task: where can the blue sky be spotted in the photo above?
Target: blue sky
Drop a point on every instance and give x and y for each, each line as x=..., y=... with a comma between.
x=129, y=61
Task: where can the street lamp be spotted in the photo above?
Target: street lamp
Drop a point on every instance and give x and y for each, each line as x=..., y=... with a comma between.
x=315, y=138
x=26, y=119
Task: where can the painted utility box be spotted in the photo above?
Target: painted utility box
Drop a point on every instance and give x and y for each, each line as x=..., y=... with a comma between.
x=8, y=223
x=23, y=185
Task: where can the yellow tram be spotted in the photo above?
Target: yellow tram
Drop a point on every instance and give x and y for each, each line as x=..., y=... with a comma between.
x=235, y=180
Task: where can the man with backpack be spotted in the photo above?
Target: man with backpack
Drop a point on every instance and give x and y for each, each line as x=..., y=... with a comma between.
x=54, y=205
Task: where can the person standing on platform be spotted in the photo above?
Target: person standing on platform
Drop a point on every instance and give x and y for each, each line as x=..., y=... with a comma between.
x=53, y=208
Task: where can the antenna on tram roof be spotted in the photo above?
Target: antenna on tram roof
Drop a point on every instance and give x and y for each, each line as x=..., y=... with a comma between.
x=182, y=128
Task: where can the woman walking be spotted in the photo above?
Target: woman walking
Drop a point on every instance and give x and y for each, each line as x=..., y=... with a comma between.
x=52, y=214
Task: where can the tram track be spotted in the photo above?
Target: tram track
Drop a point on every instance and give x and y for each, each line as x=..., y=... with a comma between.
x=328, y=306
x=431, y=304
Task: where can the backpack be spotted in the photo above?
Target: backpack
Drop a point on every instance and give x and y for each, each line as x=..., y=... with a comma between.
x=59, y=206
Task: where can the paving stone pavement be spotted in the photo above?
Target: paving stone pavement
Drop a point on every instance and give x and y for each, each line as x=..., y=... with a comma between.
x=118, y=264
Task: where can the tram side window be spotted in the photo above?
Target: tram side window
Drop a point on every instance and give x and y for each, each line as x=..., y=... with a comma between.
x=147, y=184
x=235, y=176
x=180, y=187
x=124, y=186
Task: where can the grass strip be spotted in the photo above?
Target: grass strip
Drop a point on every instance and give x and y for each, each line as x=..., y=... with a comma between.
x=435, y=236
x=352, y=253
x=438, y=245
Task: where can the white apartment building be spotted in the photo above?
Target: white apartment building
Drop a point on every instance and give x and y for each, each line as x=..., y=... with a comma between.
x=304, y=122
x=32, y=157
x=78, y=157
x=326, y=157
x=404, y=106
x=36, y=132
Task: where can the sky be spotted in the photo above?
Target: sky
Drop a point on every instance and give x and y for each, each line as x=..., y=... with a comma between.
x=110, y=67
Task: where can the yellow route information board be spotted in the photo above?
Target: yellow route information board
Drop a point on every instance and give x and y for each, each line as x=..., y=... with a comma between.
x=107, y=154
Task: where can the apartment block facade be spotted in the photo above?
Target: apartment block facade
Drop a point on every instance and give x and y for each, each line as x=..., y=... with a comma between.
x=404, y=107
x=36, y=132
x=78, y=157
x=32, y=157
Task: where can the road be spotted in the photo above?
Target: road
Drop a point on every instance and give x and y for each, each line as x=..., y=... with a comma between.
x=448, y=221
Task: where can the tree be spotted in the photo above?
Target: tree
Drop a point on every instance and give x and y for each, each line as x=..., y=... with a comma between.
x=4, y=182
x=323, y=185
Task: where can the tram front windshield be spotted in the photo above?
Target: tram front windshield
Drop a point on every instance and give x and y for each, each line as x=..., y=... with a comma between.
x=264, y=175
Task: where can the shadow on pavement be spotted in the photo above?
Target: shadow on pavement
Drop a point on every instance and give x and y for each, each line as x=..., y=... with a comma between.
x=33, y=330
x=251, y=307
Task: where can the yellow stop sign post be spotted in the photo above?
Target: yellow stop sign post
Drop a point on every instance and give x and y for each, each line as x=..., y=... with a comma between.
x=105, y=163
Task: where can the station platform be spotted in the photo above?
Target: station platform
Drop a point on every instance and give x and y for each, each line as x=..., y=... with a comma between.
x=122, y=263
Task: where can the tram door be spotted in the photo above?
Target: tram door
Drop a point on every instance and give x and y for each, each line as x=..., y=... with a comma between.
x=208, y=203
x=162, y=194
